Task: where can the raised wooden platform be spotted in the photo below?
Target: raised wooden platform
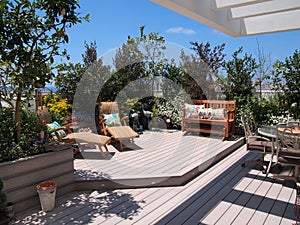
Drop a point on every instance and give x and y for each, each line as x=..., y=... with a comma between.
x=159, y=159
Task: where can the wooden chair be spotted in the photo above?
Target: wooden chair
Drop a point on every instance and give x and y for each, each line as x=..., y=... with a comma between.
x=112, y=125
x=288, y=148
x=256, y=143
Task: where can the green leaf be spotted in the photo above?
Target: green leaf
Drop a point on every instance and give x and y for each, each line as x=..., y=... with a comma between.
x=87, y=17
x=66, y=38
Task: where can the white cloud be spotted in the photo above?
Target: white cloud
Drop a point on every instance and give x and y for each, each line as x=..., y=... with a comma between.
x=180, y=30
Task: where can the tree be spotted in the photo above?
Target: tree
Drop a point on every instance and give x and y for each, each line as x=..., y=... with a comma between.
x=240, y=72
x=90, y=54
x=31, y=35
x=69, y=74
x=147, y=51
x=214, y=58
x=204, y=67
x=194, y=80
x=287, y=79
x=238, y=85
x=264, y=66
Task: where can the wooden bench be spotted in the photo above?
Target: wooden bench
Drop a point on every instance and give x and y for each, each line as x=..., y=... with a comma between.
x=209, y=123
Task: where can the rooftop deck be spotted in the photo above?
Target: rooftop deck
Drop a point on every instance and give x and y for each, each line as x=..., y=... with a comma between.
x=224, y=193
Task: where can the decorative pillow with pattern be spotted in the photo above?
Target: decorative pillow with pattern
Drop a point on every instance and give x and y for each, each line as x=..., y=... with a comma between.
x=205, y=113
x=192, y=111
x=218, y=114
x=112, y=120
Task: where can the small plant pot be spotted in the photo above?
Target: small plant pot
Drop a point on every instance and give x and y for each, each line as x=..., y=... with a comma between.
x=47, y=192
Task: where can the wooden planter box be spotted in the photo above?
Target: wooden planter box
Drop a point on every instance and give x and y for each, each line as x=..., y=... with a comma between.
x=20, y=177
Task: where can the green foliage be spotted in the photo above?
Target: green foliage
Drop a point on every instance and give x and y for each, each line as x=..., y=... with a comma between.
x=265, y=111
x=68, y=76
x=139, y=60
x=240, y=72
x=214, y=58
x=31, y=35
x=133, y=104
x=238, y=83
x=90, y=55
x=30, y=142
x=287, y=79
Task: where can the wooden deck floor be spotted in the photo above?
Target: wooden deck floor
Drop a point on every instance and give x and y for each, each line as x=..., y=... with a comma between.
x=226, y=193
x=159, y=159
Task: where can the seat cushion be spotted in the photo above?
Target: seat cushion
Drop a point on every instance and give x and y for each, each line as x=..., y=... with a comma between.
x=289, y=158
x=260, y=146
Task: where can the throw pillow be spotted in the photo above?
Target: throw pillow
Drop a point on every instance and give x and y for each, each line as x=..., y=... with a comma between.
x=192, y=111
x=112, y=120
x=218, y=114
x=205, y=113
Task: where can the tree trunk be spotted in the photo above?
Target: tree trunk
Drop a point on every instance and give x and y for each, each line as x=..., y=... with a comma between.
x=18, y=115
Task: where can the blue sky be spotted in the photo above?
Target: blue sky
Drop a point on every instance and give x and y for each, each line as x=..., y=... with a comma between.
x=112, y=21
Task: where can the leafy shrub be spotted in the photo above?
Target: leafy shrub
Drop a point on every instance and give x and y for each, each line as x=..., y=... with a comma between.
x=170, y=111
x=265, y=111
x=30, y=142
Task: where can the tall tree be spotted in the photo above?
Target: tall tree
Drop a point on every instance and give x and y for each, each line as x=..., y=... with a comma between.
x=146, y=49
x=287, y=82
x=69, y=74
x=31, y=35
x=264, y=66
x=212, y=58
x=240, y=72
x=90, y=54
x=195, y=80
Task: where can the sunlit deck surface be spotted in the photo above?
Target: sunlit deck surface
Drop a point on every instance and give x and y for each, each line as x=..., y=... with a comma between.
x=224, y=193
x=158, y=159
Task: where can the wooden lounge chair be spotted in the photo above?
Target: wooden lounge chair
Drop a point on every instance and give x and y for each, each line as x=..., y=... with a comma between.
x=90, y=138
x=112, y=125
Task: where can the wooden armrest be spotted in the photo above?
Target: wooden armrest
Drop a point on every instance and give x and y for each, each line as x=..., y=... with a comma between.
x=123, y=119
x=259, y=138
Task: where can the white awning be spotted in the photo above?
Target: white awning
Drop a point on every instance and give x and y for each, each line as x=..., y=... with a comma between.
x=240, y=17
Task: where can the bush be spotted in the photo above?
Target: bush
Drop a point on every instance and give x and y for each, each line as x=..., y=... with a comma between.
x=170, y=111
x=30, y=142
